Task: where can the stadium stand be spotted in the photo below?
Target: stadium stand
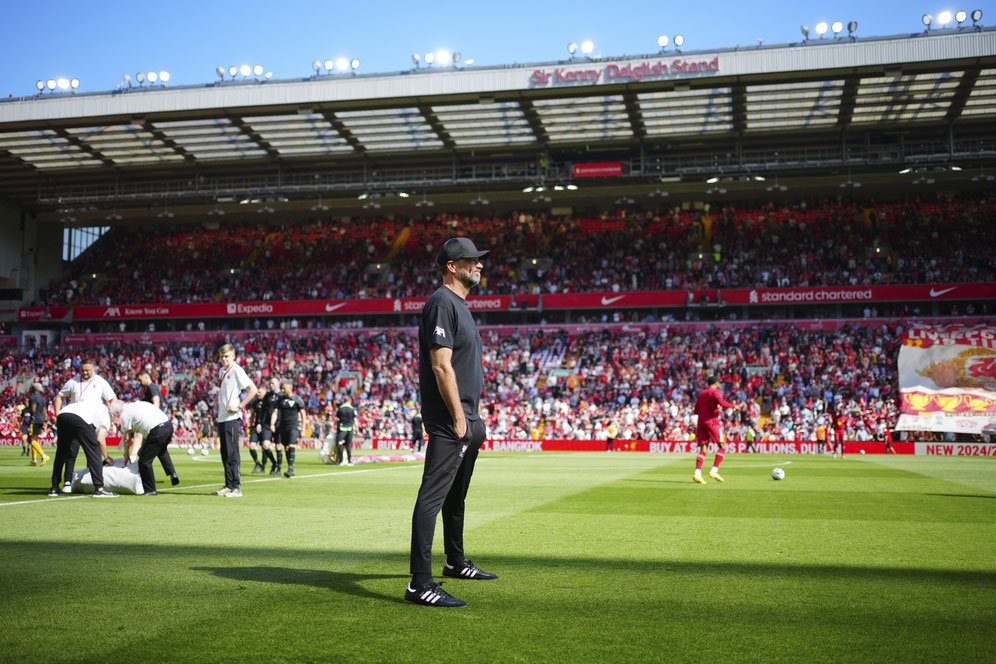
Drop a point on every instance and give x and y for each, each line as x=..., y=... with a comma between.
x=823, y=243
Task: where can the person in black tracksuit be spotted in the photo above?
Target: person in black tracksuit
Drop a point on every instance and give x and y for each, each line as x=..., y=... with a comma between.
x=289, y=421
x=260, y=433
x=451, y=379
x=345, y=422
x=151, y=393
x=418, y=435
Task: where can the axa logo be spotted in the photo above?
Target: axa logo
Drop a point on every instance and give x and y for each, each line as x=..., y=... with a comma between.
x=606, y=301
x=111, y=312
x=440, y=332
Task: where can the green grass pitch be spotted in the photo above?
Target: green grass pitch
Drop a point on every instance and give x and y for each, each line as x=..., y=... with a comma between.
x=602, y=558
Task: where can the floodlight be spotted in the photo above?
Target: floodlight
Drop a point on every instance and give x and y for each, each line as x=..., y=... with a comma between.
x=572, y=48
x=50, y=84
x=713, y=180
x=528, y=190
x=164, y=77
x=40, y=84
x=662, y=41
x=416, y=58
x=443, y=57
x=572, y=187
x=456, y=57
x=927, y=19
x=257, y=70
x=539, y=189
x=905, y=170
x=587, y=46
x=976, y=15
x=944, y=18
x=468, y=62
x=152, y=76
x=837, y=27
x=679, y=40
x=804, y=29
x=245, y=70
x=403, y=194
x=354, y=64
x=220, y=71
x=329, y=65
x=268, y=75
x=63, y=83
x=341, y=64
x=317, y=66
x=233, y=70
x=852, y=27
x=429, y=58
x=821, y=28
x=74, y=83
x=960, y=16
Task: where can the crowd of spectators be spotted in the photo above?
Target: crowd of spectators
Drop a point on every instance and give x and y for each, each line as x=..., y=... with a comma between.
x=540, y=383
x=820, y=243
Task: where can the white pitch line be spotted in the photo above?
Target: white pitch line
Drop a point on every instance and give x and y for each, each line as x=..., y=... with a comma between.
x=49, y=499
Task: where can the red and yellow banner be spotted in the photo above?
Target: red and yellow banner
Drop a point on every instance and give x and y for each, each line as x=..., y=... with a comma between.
x=947, y=379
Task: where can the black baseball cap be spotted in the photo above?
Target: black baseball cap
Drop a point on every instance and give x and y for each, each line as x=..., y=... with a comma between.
x=459, y=247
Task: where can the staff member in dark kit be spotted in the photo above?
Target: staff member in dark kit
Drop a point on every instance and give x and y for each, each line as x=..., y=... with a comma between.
x=345, y=422
x=151, y=393
x=145, y=432
x=288, y=418
x=451, y=379
x=82, y=423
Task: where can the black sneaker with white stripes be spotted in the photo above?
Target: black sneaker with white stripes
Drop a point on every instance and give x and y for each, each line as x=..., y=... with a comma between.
x=467, y=570
x=432, y=595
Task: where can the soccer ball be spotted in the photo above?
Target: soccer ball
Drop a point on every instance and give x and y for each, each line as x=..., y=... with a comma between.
x=777, y=474
x=862, y=451
x=190, y=451
x=205, y=452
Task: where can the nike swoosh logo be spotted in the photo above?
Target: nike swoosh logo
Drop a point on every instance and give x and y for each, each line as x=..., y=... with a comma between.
x=606, y=301
x=938, y=293
x=333, y=307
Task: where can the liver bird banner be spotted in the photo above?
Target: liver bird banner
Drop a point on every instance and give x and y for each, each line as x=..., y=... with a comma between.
x=947, y=379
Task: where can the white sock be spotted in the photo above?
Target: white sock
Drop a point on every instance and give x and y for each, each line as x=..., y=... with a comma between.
x=698, y=472
x=715, y=469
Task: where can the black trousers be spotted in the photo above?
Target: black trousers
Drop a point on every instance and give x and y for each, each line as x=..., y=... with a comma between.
x=153, y=447
x=74, y=432
x=228, y=436
x=345, y=439
x=449, y=465
x=164, y=458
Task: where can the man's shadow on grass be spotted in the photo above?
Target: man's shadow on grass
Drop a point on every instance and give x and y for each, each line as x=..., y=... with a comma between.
x=346, y=583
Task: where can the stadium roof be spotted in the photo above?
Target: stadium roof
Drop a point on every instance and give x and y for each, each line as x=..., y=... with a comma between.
x=809, y=114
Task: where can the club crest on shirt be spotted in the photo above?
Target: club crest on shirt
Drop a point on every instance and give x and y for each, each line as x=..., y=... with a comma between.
x=463, y=450
x=440, y=332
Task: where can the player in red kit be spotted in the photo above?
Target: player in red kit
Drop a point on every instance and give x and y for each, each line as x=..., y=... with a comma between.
x=709, y=408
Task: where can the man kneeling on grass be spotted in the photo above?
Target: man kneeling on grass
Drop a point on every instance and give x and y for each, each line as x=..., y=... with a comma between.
x=145, y=432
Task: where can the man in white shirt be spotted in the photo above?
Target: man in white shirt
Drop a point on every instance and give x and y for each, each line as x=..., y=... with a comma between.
x=232, y=380
x=145, y=433
x=82, y=423
x=84, y=386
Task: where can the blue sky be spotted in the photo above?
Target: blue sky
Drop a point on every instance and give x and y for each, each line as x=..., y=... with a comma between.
x=98, y=42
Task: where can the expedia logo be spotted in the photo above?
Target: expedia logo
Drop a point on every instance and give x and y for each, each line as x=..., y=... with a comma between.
x=232, y=308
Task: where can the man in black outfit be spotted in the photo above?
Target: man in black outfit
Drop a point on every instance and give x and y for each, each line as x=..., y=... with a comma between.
x=151, y=393
x=418, y=435
x=451, y=379
x=289, y=421
x=345, y=421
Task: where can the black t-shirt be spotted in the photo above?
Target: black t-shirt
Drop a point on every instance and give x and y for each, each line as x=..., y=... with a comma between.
x=417, y=425
x=287, y=409
x=258, y=409
x=446, y=322
x=152, y=390
x=345, y=417
x=270, y=402
x=39, y=415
